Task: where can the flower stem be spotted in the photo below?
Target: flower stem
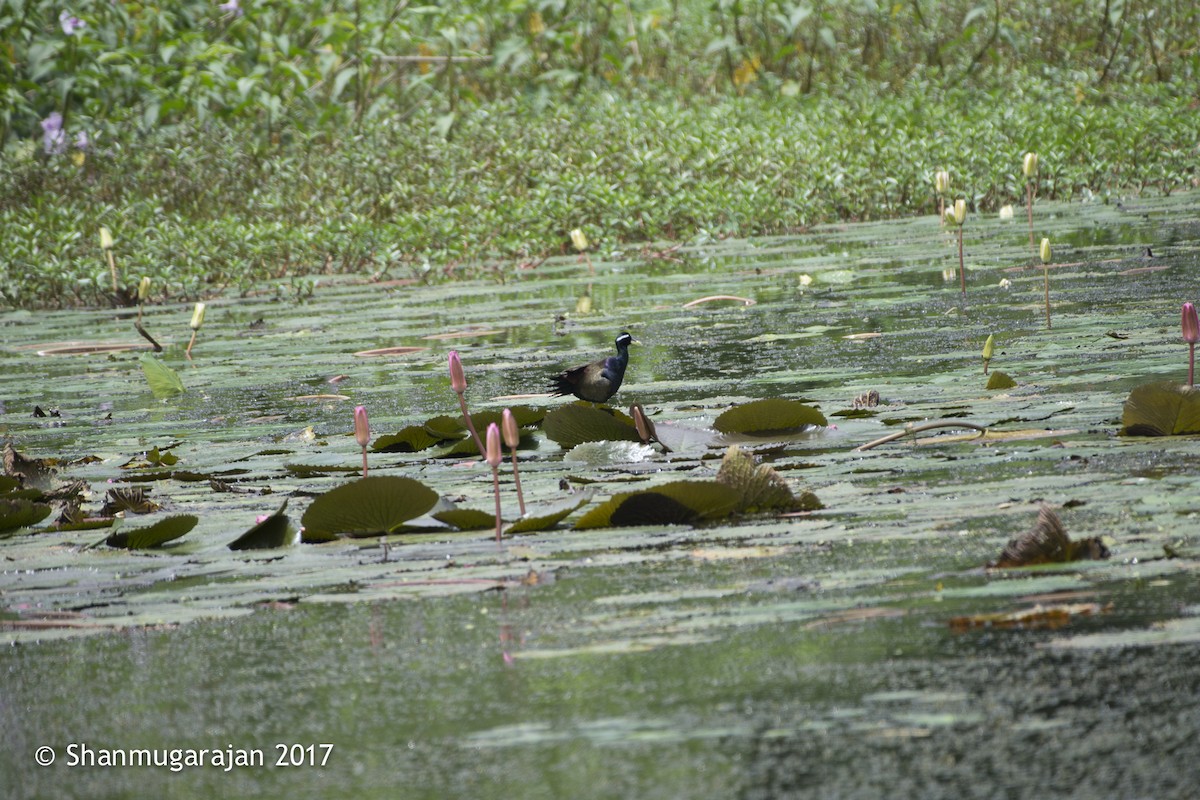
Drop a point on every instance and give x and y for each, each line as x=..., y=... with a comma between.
x=1029, y=209
x=962, y=270
x=496, y=488
x=462, y=403
x=364, y=462
x=1191, y=363
x=1046, y=269
x=517, y=481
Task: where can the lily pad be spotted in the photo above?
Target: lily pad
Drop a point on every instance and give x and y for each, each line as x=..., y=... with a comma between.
x=20, y=513
x=162, y=379
x=679, y=502
x=547, y=515
x=466, y=519
x=769, y=417
x=367, y=507
x=1162, y=408
x=153, y=535
x=576, y=423
x=274, y=531
x=411, y=439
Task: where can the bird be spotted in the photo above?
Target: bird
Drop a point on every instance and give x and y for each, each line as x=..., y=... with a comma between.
x=597, y=381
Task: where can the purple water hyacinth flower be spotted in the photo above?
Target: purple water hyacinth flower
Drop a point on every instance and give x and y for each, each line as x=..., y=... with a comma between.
x=82, y=142
x=54, y=138
x=70, y=23
x=231, y=7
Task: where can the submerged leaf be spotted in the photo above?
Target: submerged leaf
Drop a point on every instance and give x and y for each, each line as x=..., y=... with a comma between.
x=153, y=535
x=1163, y=408
x=1048, y=543
x=366, y=507
x=679, y=502
x=772, y=416
x=274, y=531
x=577, y=423
x=162, y=379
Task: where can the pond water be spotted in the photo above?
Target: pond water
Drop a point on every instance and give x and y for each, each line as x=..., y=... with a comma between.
x=833, y=653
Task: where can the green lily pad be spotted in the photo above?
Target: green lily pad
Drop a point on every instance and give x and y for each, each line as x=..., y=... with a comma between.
x=547, y=515
x=274, y=531
x=153, y=535
x=466, y=519
x=411, y=439
x=445, y=427
x=1000, y=380
x=162, y=379
x=575, y=424
x=1162, y=408
x=20, y=513
x=679, y=502
x=367, y=507
x=770, y=417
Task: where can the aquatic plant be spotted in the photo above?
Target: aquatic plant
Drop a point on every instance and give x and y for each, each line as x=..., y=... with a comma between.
x=458, y=382
x=941, y=185
x=362, y=433
x=1191, y=335
x=494, y=458
x=195, y=324
x=988, y=349
x=1044, y=252
x=1029, y=167
x=958, y=215
x=106, y=244
x=512, y=437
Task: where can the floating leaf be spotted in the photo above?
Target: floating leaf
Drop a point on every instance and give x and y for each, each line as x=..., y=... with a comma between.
x=547, y=515
x=769, y=417
x=274, y=531
x=680, y=502
x=1000, y=380
x=466, y=519
x=577, y=423
x=162, y=379
x=153, y=535
x=1163, y=408
x=157, y=458
x=366, y=507
x=411, y=439
x=21, y=513
x=759, y=487
x=1048, y=543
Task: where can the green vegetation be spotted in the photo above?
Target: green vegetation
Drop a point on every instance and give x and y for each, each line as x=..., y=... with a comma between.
x=225, y=144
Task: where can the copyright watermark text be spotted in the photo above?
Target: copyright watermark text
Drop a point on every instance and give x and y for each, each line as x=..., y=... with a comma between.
x=177, y=759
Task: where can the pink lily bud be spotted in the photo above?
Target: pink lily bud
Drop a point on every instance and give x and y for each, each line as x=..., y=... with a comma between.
x=508, y=426
x=458, y=380
x=1191, y=324
x=494, y=455
x=362, y=429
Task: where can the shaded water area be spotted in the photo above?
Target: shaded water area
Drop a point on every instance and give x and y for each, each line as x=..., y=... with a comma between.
x=829, y=653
